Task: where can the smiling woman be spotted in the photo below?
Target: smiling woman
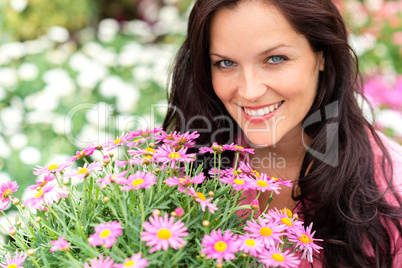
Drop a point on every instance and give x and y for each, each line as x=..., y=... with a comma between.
x=279, y=76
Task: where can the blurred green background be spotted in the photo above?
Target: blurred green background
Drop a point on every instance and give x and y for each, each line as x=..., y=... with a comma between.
x=79, y=71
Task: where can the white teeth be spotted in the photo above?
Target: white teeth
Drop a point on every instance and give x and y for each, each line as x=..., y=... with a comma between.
x=264, y=111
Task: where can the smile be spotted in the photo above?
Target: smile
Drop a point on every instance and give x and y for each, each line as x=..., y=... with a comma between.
x=262, y=111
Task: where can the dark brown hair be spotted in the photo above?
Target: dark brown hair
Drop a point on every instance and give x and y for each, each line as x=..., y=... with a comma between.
x=343, y=201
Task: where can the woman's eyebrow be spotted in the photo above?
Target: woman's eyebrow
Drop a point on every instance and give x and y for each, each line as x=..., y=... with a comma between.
x=259, y=54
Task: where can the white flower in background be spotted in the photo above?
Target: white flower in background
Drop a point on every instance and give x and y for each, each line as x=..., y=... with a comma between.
x=5, y=151
x=107, y=30
x=11, y=116
x=142, y=73
x=89, y=134
x=8, y=77
x=36, y=117
x=148, y=55
x=125, y=122
x=362, y=43
x=162, y=107
x=92, y=49
x=380, y=50
x=12, y=51
x=127, y=99
x=111, y=85
x=373, y=5
x=169, y=15
x=358, y=14
x=58, y=34
x=4, y=222
x=130, y=54
x=28, y=71
x=30, y=155
x=38, y=45
x=57, y=56
x=3, y=93
x=390, y=119
x=62, y=124
x=18, y=141
x=161, y=67
x=137, y=27
x=59, y=83
x=4, y=177
x=170, y=2
x=42, y=101
x=100, y=114
x=106, y=57
x=18, y=5
x=78, y=61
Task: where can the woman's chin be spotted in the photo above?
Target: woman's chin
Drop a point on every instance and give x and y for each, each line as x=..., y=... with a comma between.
x=261, y=140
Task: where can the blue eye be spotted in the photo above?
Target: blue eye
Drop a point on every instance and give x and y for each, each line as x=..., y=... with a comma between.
x=226, y=63
x=275, y=59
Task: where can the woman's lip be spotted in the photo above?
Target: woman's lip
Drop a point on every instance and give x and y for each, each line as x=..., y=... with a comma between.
x=260, y=107
x=260, y=119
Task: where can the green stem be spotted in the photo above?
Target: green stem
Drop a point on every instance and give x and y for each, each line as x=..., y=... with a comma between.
x=73, y=259
x=269, y=202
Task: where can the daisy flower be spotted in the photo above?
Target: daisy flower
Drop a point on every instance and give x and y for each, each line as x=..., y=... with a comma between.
x=144, y=155
x=280, y=181
x=250, y=245
x=269, y=232
x=239, y=182
x=166, y=154
x=144, y=134
x=88, y=151
x=136, y=142
x=215, y=148
x=202, y=200
x=165, y=137
x=59, y=244
x=100, y=263
x=214, y=172
x=6, y=190
x=163, y=232
x=265, y=183
x=220, y=246
x=283, y=217
x=118, y=178
x=53, y=168
x=185, y=140
x=237, y=148
x=119, y=163
x=276, y=258
x=134, y=262
x=113, y=143
x=305, y=242
x=105, y=234
x=139, y=180
x=48, y=194
x=84, y=171
x=186, y=181
x=39, y=183
x=16, y=261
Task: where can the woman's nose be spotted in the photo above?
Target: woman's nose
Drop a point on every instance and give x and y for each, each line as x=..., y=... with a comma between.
x=252, y=85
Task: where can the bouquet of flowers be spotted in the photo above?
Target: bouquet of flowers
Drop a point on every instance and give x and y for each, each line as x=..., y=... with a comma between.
x=152, y=209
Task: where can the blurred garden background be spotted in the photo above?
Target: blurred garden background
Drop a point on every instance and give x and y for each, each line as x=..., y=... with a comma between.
x=74, y=72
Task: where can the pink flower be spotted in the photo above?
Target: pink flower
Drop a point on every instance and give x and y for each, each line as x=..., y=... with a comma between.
x=276, y=258
x=215, y=148
x=59, y=244
x=84, y=171
x=239, y=182
x=14, y=263
x=166, y=154
x=280, y=181
x=269, y=232
x=136, y=142
x=48, y=177
x=202, y=200
x=119, y=141
x=185, y=140
x=120, y=163
x=100, y=263
x=186, y=181
x=161, y=233
x=265, y=183
x=165, y=137
x=88, y=151
x=142, y=156
x=144, y=134
x=118, y=178
x=237, y=148
x=220, y=247
x=282, y=216
x=48, y=194
x=105, y=234
x=179, y=212
x=53, y=168
x=135, y=262
x=305, y=242
x=6, y=190
x=139, y=180
x=250, y=245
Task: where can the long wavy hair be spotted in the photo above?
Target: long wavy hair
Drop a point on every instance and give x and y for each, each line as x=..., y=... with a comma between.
x=343, y=200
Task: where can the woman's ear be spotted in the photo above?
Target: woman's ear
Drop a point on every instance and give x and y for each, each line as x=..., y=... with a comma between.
x=321, y=59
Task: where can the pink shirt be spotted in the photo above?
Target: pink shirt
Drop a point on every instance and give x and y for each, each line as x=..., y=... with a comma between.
x=395, y=151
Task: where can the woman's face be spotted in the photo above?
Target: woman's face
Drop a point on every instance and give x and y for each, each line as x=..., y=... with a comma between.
x=264, y=72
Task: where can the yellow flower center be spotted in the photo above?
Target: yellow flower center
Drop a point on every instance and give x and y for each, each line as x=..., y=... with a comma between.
x=12, y=266
x=287, y=222
x=105, y=233
x=278, y=257
x=182, y=141
x=239, y=147
x=170, y=137
x=174, y=155
x=39, y=194
x=82, y=171
x=220, y=246
x=7, y=193
x=265, y=231
x=288, y=212
x=262, y=183
x=43, y=184
x=164, y=234
x=129, y=263
x=238, y=181
x=275, y=179
x=150, y=150
x=201, y=196
x=255, y=172
x=137, y=182
x=250, y=242
x=52, y=167
x=304, y=239
x=116, y=141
